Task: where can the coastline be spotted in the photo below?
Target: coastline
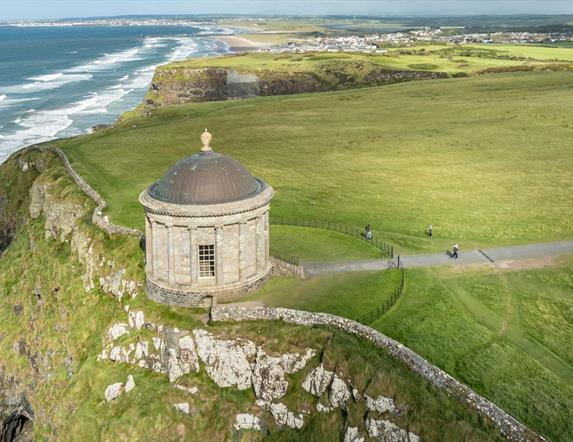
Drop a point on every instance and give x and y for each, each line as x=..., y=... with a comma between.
x=34, y=125
x=241, y=44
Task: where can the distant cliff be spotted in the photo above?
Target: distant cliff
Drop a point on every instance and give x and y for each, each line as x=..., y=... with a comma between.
x=179, y=84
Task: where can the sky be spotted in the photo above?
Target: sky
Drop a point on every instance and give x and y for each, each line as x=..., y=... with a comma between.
x=49, y=9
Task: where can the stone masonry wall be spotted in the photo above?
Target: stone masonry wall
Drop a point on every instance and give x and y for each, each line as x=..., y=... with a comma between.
x=508, y=425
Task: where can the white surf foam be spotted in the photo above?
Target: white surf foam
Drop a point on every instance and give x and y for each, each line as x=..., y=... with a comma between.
x=45, y=125
x=48, y=77
x=107, y=61
x=2, y=98
x=186, y=47
x=52, y=81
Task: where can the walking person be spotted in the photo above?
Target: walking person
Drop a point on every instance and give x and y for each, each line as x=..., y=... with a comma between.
x=368, y=230
x=456, y=250
x=430, y=230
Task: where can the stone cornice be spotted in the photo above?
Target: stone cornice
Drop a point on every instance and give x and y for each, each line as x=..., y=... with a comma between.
x=208, y=210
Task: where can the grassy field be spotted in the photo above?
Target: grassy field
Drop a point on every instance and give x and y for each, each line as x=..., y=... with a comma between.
x=347, y=295
x=317, y=245
x=450, y=59
x=486, y=160
x=533, y=51
x=507, y=334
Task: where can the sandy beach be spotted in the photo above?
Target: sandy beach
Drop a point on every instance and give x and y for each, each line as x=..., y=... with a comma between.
x=237, y=43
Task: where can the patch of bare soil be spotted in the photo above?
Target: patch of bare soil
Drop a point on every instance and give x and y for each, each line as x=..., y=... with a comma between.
x=527, y=264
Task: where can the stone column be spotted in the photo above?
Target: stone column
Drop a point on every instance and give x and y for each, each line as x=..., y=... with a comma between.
x=170, y=254
x=242, y=251
x=219, y=254
x=193, y=271
x=260, y=244
x=149, y=246
x=267, y=237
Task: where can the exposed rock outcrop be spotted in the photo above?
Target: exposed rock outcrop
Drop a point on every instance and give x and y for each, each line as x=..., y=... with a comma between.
x=352, y=435
x=226, y=362
x=386, y=431
x=60, y=215
x=283, y=416
x=247, y=422
x=318, y=381
x=179, y=84
x=269, y=373
x=380, y=405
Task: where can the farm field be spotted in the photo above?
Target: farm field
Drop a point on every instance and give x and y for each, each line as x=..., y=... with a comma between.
x=451, y=59
x=486, y=159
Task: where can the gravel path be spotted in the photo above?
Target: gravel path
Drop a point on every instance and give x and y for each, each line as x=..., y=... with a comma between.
x=472, y=257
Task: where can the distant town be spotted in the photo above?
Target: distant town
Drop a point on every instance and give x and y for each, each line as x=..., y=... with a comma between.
x=376, y=43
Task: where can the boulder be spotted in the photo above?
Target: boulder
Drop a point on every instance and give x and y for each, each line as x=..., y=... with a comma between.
x=386, y=431
x=130, y=384
x=179, y=355
x=227, y=362
x=339, y=393
x=116, y=331
x=380, y=405
x=183, y=407
x=318, y=381
x=269, y=373
x=284, y=417
x=247, y=422
x=113, y=391
x=352, y=435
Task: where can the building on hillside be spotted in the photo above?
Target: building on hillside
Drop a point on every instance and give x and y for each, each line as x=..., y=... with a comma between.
x=207, y=230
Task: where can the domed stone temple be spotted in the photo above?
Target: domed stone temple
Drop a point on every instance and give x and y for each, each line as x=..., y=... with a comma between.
x=206, y=230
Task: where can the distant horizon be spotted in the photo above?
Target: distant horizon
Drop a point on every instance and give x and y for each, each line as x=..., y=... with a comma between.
x=310, y=16
x=34, y=10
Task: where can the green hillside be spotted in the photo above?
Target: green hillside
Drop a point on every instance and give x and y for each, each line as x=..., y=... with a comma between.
x=55, y=320
x=507, y=333
x=486, y=159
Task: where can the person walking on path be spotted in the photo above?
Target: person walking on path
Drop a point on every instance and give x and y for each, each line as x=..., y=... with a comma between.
x=430, y=230
x=456, y=249
x=368, y=230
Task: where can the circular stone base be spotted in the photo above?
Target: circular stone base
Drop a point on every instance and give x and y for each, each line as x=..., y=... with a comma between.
x=189, y=298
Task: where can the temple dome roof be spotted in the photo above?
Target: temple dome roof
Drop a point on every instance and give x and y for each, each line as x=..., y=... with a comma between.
x=206, y=178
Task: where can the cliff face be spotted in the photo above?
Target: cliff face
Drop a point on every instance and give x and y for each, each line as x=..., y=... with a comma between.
x=179, y=84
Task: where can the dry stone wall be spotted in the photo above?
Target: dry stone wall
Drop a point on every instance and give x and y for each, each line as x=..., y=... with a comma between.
x=508, y=425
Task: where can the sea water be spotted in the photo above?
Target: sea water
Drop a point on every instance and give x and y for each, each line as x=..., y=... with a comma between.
x=61, y=81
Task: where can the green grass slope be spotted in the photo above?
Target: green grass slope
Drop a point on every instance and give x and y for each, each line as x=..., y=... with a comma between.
x=506, y=333
x=486, y=160
x=52, y=332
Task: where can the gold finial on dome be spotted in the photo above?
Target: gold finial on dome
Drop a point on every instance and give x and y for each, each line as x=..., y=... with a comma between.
x=206, y=138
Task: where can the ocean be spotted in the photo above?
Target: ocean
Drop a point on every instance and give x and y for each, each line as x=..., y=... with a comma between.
x=61, y=81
